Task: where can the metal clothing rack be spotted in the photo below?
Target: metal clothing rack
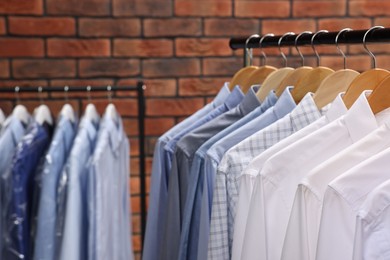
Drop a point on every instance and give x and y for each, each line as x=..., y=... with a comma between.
x=140, y=88
x=378, y=35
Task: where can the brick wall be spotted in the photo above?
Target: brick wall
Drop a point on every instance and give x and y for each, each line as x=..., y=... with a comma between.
x=180, y=48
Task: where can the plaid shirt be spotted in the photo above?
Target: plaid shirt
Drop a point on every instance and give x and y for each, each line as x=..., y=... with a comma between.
x=234, y=162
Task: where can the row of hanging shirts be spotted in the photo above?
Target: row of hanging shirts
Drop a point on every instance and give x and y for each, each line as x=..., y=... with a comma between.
x=64, y=184
x=277, y=166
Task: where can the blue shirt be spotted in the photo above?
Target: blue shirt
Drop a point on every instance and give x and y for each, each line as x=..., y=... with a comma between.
x=190, y=228
x=11, y=133
x=25, y=162
x=283, y=106
x=46, y=238
x=231, y=102
x=159, y=179
x=178, y=179
x=108, y=201
x=74, y=244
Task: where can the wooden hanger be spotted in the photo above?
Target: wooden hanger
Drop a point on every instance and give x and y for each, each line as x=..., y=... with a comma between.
x=299, y=73
x=313, y=79
x=272, y=82
x=258, y=76
x=367, y=80
x=336, y=82
x=379, y=99
x=243, y=74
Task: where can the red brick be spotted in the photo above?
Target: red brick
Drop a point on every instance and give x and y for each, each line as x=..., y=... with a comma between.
x=21, y=47
x=134, y=147
x=319, y=8
x=153, y=126
x=173, y=107
x=336, y=24
x=143, y=48
x=6, y=106
x=369, y=8
x=109, y=67
x=3, y=30
x=134, y=185
x=170, y=67
x=81, y=83
x=142, y=8
x=125, y=107
x=258, y=9
x=78, y=48
x=134, y=166
x=76, y=7
x=42, y=26
x=154, y=87
x=137, y=243
x=383, y=61
x=54, y=105
x=43, y=68
x=136, y=223
x=22, y=84
x=221, y=66
x=200, y=86
x=106, y=27
x=202, y=47
x=203, y=8
x=135, y=205
x=163, y=27
x=282, y=26
x=21, y=7
x=230, y=27
x=4, y=69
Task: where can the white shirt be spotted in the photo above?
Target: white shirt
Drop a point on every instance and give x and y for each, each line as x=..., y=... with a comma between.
x=247, y=178
x=282, y=172
x=302, y=233
x=372, y=229
x=343, y=198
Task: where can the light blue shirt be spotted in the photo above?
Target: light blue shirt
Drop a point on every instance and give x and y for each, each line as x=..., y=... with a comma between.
x=46, y=239
x=74, y=244
x=231, y=102
x=109, y=215
x=180, y=172
x=190, y=228
x=11, y=133
x=159, y=180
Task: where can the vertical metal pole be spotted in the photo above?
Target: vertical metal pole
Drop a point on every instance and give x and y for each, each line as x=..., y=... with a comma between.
x=142, y=168
x=245, y=57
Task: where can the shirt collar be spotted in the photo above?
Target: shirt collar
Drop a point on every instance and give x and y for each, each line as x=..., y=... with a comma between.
x=337, y=108
x=234, y=98
x=222, y=95
x=269, y=101
x=285, y=103
x=250, y=101
x=115, y=130
x=306, y=107
x=360, y=119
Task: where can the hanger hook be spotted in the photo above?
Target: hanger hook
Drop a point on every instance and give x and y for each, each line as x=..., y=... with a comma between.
x=89, y=93
x=336, y=40
x=17, y=90
x=261, y=47
x=40, y=89
x=66, y=89
x=109, y=94
x=314, y=48
x=365, y=45
x=296, y=45
x=280, y=49
x=249, y=52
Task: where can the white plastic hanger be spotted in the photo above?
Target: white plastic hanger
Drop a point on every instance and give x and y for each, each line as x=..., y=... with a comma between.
x=42, y=113
x=2, y=116
x=20, y=112
x=67, y=110
x=90, y=111
x=111, y=109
